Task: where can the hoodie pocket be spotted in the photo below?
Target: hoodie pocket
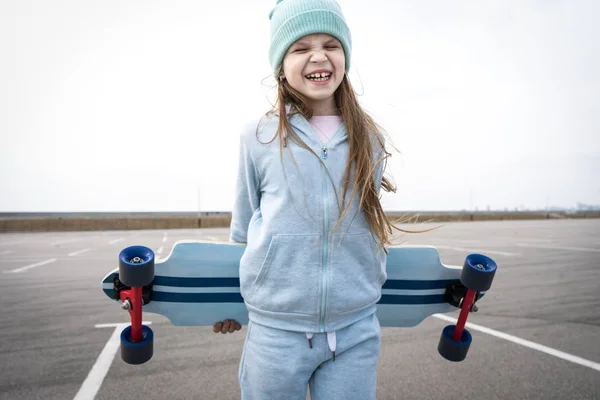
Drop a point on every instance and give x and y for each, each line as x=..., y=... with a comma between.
x=289, y=275
x=357, y=272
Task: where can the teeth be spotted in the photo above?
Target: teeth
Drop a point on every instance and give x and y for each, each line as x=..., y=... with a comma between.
x=319, y=75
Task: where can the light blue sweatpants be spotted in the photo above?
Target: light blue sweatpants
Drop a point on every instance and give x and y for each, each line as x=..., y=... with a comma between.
x=278, y=364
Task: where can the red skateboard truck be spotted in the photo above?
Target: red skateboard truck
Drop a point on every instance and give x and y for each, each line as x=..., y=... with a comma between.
x=136, y=272
x=476, y=276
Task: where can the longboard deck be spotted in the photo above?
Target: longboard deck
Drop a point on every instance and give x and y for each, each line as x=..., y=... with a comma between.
x=197, y=284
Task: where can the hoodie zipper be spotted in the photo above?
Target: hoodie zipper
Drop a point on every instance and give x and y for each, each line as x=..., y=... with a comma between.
x=325, y=250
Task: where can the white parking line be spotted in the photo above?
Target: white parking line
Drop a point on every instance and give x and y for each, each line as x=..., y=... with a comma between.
x=96, y=376
x=165, y=237
x=25, y=268
x=481, y=251
x=553, y=247
x=526, y=343
x=160, y=250
x=94, y=380
x=115, y=241
x=65, y=241
x=78, y=252
x=2, y=253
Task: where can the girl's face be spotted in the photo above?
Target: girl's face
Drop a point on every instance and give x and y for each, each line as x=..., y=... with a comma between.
x=314, y=65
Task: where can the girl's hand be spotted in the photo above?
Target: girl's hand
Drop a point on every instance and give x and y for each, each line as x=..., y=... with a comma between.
x=228, y=325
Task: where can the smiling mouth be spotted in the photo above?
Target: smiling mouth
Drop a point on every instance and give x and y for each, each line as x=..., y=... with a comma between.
x=319, y=77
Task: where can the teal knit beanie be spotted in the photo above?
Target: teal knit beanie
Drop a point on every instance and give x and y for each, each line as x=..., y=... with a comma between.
x=293, y=19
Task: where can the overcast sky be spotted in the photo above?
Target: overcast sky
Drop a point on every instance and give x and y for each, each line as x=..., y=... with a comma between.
x=137, y=105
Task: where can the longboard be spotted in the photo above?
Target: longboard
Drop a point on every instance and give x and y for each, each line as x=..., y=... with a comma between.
x=197, y=284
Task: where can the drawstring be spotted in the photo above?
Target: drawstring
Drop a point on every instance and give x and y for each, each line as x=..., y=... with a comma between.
x=331, y=341
x=309, y=336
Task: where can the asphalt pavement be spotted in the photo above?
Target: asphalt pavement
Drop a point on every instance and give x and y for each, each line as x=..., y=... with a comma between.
x=535, y=335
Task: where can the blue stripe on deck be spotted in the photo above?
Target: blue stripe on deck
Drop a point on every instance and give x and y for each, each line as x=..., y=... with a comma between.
x=416, y=299
x=196, y=282
x=418, y=285
x=170, y=297
x=235, y=282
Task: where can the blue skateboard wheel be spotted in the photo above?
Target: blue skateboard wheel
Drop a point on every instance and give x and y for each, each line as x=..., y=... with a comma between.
x=140, y=352
x=478, y=272
x=136, y=266
x=452, y=350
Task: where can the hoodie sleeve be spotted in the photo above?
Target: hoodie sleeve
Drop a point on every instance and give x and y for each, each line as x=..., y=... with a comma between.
x=247, y=194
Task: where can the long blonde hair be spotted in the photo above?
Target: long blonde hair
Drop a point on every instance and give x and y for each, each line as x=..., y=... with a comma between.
x=361, y=129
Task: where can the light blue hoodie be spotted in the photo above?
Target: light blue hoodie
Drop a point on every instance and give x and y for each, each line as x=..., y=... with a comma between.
x=296, y=274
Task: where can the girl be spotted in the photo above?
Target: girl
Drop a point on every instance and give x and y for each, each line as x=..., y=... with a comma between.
x=307, y=206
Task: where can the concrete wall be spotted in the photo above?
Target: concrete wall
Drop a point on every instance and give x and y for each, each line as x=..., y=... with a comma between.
x=61, y=224
x=64, y=224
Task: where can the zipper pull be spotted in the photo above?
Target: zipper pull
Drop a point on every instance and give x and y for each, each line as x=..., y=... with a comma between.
x=325, y=153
